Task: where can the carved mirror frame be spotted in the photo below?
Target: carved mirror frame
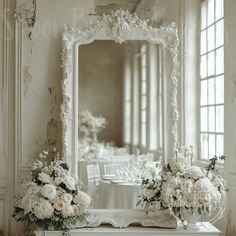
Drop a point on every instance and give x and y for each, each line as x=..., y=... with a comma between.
x=119, y=26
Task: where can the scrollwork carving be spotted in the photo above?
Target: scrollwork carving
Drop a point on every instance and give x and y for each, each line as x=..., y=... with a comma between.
x=119, y=26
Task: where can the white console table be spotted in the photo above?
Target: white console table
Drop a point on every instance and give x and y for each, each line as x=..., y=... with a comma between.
x=206, y=229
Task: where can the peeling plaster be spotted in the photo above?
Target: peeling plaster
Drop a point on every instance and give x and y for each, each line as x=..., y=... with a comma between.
x=52, y=132
x=53, y=96
x=26, y=13
x=27, y=78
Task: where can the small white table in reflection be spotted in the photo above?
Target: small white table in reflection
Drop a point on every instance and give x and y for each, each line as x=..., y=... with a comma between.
x=117, y=196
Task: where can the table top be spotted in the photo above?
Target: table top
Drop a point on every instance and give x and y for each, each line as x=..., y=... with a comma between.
x=205, y=228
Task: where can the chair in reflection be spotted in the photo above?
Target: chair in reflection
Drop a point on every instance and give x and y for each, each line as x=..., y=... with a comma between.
x=93, y=175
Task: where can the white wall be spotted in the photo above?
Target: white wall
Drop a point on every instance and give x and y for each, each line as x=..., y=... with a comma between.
x=100, y=85
x=42, y=72
x=230, y=113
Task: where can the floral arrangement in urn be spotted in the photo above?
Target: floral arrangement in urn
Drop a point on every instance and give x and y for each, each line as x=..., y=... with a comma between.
x=188, y=191
x=51, y=200
x=89, y=124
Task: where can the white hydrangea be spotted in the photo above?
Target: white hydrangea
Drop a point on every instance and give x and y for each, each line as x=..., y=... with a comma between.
x=49, y=191
x=67, y=211
x=28, y=202
x=82, y=199
x=43, y=209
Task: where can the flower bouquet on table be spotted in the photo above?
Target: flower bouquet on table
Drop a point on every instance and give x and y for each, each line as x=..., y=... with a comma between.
x=90, y=124
x=188, y=191
x=51, y=200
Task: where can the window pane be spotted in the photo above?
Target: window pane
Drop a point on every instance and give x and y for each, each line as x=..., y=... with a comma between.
x=219, y=82
x=219, y=145
x=210, y=12
x=203, y=42
x=204, y=92
x=219, y=9
x=144, y=87
x=204, y=146
x=211, y=91
x=144, y=116
x=212, y=119
x=212, y=148
x=211, y=38
x=203, y=15
x=143, y=136
x=219, y=61
x=211, y=63
x=220, y=119
x=219, y=33
x=203, y=67
x=204, y=119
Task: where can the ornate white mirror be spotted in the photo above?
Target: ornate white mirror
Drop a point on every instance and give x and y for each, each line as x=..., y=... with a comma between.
x=120, y=75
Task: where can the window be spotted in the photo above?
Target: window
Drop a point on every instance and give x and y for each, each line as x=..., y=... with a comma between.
x=212, y=79
x=142, y=124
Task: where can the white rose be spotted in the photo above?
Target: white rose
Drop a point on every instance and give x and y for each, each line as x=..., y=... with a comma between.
x=69, y=182
x=59, y=205
x=67, y=198
x=194, y=172
x=43, y=210
x=49, y=191
x=67, y=211
x=45, y=178
x=82, y=199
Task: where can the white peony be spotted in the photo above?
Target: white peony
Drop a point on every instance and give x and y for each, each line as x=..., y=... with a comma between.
x=67, y=211
x=194, y=172
x=82, y=199
x=49, y=191
x=69, y=182
x=43, y=209
x=67, y=198
x=45, y=178
x=59, y=205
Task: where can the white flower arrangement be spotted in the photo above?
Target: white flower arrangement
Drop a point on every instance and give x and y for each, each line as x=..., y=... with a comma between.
x=89, y=124
x=92, y=150
x=52, y=199
x=184, y=189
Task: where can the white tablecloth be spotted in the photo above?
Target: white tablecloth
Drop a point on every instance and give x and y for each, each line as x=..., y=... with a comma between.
x=117, y=196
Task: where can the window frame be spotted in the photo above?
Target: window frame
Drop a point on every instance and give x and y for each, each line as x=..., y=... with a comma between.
x=207, y=78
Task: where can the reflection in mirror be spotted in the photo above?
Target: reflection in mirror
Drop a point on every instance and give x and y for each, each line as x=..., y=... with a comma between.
x=120, y=119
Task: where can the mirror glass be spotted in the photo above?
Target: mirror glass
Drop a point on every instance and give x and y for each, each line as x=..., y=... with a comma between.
x=120, y=119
